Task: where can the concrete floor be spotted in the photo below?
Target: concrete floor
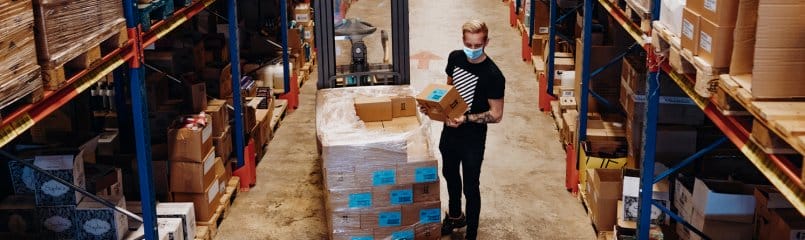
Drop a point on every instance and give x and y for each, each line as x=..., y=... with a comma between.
x=522, y=181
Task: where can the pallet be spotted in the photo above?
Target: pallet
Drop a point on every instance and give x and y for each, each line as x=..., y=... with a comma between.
x=663, y=38
x=280, y=106
x=638, y=16
x=706, y=75
x=156, y=10
x=55, y=75
x=784, y=118
x=203, y=233
x=232, y=190
x=26, y=89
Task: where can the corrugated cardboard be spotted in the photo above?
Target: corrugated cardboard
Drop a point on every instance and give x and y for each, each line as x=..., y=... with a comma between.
x=345, y=221
x=715, y=43
x=605, y=188
x=351, y=199
x=68, y=167
x=631, y=189
x=780, y=223
x=223, y=144
x=96, y=221
x=402, y=232
x=418, y=172
x=383, y=217
x=195, y=177
x=443, y=101
x=778, y=50
x=671, y=15
x=185, y=144
x=426, y=192
x=220, y=118
x=352, y=235
x=743, y=48
x=205, y=203
x=172, y=227
x=690, y=30
x=723, y=201
x=396, y=195
x=422, y=213
x=428, y=231
x=18, y=215
x=181, y=210
x=373, y=109
x=721, y=12
x=403, y=107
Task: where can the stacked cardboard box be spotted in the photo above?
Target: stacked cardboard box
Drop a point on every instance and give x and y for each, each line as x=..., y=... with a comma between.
x=195, y=171
x=380, y=178
x=707, y=30
x=19, y=72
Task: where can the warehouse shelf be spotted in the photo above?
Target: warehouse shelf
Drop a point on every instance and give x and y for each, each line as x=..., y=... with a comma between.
x=780, y=171
x=627, y=24
x=162, y=28
x=27, y=116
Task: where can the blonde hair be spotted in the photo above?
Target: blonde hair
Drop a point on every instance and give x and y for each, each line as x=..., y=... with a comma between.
x=475, y=26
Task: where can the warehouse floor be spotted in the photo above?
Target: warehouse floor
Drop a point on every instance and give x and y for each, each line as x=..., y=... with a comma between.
x=522, y=182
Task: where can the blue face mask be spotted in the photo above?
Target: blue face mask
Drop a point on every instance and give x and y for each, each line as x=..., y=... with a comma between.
x=473, y=54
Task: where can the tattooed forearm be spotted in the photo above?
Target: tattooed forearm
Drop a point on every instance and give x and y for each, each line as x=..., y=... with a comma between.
x=484, y=117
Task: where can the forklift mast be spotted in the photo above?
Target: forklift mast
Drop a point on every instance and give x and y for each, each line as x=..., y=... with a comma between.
x=328, y=15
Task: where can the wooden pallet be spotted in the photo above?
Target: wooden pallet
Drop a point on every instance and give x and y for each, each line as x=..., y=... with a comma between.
x=638, y=16
x=156, y=10
x=232, y=190
x=55, y=74
x=27, y=89
x=203, y=233
x=784, y=118
x=280, y=107
x=663, y=38
x=683, y=61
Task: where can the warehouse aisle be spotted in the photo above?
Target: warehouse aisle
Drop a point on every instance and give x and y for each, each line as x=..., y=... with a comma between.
x=522, y=181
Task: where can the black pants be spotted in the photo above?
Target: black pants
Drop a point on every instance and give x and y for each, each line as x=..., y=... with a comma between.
x=464, y=146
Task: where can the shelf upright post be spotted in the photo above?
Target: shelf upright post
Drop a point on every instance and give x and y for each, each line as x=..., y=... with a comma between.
x=551, y=46
x=142, y=136
x=286, y=71
x=234, y=58
x=123, y=110
x=586, y=37
x=649, y=137
x=531, y=22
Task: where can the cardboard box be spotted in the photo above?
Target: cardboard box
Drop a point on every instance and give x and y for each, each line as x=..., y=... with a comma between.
x=195, y=93
x=18, y=215
x=671, y=15
x=161, y=178
x=401, y=232
x=96, y=221
x=422, y=213
x=631, y=189
x=373, y=109
x=443, y=101
x=352, y=235
x=58, y=222
x=564, y=64
x=195, y=177
x=183, y=211
x=426, y=192
x=223, y=144
x=723, y=210
x=382, y=217
x=690, y=30
x=743, y=48
x=541, y=19
x=403, y=107
x=220, y=118
x=205, y=203
x=715, y=43
x=720, y=12
x=778, y=52
x=172, y=227
x=350, y=199
x=775, y=217
x=428, y=231
x=396, y=195
x=189, y=145
x=418, y=172
x=346, y=221
x=302, y=13
x=23, y=178
x=68, y=167
x=538, y=42
x=683, y=196
x=606, y=187
x=108, y=143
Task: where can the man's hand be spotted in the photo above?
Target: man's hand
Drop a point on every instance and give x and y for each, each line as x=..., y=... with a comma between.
x=455, y=122
x=424, y=109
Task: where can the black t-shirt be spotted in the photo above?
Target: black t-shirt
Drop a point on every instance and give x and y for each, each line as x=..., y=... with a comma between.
x=475, y=82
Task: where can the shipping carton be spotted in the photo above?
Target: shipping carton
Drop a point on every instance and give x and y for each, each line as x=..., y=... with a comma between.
x=418, y=172
x=422, y=213
x=183, y=211
x=373, y=109
x=605, y=190
x=172, y=227
x=96, y=221
x=743, y=49
x=400, y=232
x=723, y=210
x=383, y=217
x=302, y=13
x=223, y=144
x=18, y=216
x=220, y=118
x=346, y=221
x=443, y=101
x=189, y=145
x=426, y=192
x=195, y=177
x=690, y=30
x=58, y=222
x=671, y=15
x=631, y=189
x=68, y=167
x=778, y=51
x=715, y=43
x=350, y=199
x=204, y=203
x=393, y=195
x=403, y=107
x=721, y=12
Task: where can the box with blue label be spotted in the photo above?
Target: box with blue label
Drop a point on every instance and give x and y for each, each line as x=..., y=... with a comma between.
x=96, y=221
x=422, y=213
x=353, y=235
x=350, y=199
x=443, y=101
x=369, y=175
x=403, y=232
x=68, y=167
x=381, y=217
x=418, y=171
x=395, y=195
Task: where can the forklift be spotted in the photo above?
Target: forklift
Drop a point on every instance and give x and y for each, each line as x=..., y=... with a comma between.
x=332, y=26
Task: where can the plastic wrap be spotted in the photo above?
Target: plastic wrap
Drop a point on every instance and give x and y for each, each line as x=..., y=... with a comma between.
x=418, y=221
x=68, y=28
x=19, y=74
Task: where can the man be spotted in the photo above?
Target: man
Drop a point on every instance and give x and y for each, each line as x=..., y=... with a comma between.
x=481, y=84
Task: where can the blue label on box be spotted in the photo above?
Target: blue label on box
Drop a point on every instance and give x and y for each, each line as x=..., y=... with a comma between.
x=384, y=177
x=425, y=174
x=403, y=235
x=437, y=94
x=360, y=200
x=389, y=219
x=405, y=196
x=430, y=215
x=362, y=238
